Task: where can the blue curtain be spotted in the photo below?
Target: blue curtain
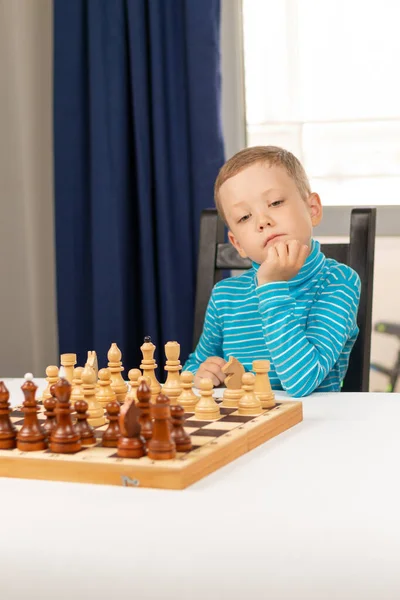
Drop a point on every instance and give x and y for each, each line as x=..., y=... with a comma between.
x=137, y=146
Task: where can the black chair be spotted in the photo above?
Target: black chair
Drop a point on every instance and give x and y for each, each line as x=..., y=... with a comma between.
x=217, y=257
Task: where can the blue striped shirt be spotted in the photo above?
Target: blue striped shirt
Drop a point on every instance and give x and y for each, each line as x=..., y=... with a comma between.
x=305, y=327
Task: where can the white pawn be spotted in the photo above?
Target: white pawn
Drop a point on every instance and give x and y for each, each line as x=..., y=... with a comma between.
x=52, y=377
x=188, y=398
x=104, y=391
x=77, y=391
x=249, y=404
x=206, y=408
x=133, y=375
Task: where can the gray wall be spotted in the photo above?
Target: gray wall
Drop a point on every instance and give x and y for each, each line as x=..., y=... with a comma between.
x=28, y=339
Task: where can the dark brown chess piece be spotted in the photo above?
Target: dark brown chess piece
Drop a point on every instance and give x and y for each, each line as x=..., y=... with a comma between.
x=182, y=439
x=161, y=446
x=143, y=395
x=64, y=439
x=31, y=437
x=8, y=433
x=51, y=419
x=82, y=427
x=131, y=444
x=113, y=432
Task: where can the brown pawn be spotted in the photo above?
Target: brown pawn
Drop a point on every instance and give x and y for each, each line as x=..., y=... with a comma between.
x=143, y=396
x=131, y=444
x=31, y=437
x=64, y=439
x=51, y=418
x=161, y=446
x=8, y=433
x=82, y=427
x=182, y=439
x=113, y=432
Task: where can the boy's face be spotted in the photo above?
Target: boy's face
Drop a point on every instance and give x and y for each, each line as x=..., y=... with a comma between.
x=263, y=206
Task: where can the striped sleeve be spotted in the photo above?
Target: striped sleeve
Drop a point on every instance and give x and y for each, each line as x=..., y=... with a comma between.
x=303, y=357
x=210, y=342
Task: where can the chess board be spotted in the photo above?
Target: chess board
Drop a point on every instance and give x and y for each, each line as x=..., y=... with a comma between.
x=215, y=444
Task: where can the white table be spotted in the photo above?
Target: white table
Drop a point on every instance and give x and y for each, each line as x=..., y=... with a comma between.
x=311, y=514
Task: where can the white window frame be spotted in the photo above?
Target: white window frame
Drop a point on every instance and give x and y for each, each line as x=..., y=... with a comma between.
x=337, y=218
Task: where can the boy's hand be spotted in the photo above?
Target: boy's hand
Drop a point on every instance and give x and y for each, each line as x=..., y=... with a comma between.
x=284, y=260
x=211, y=368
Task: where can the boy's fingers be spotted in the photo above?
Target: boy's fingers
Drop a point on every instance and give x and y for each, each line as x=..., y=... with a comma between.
x=215, y=370
x=294, y=250
x=217, y=360
x=281, y=250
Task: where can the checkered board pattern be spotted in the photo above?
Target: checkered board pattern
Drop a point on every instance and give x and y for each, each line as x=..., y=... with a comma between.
x=215, y=443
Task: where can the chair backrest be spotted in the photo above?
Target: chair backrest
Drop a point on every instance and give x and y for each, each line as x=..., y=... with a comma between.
x=217, y=257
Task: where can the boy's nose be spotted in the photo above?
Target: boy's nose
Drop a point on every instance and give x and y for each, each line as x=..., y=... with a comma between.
x=263, y=222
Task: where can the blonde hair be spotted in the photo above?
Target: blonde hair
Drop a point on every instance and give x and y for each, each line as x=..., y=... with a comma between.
x=273, y=155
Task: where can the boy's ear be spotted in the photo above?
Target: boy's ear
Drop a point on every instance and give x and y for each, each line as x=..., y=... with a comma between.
x=236, y=244
x=315, y=205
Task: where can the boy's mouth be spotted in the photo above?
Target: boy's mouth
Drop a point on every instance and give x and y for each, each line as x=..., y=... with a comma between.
x=272, y=237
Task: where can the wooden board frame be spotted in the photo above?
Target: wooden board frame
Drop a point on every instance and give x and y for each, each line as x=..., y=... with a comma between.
x=98, y=465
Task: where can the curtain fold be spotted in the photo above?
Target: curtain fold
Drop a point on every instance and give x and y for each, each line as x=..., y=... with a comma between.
x=137, y=144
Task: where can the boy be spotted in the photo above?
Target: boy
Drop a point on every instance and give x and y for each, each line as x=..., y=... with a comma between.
x=295, y=307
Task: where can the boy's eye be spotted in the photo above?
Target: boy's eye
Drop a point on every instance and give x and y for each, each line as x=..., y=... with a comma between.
x=277, y=203
x=243, y=219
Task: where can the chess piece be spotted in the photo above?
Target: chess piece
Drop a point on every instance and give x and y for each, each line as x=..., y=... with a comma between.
x=95, y=410
x=113, y=432
x=249, y=404
x=68, y=361
x=206, y=408
x=31, y=437
x=181, y=438
x=149, y=365
x=82, y=427
x=64, y=439
x=51, y=417
x=77, y=391
x=143, y=402
x=131, y=444
x=92, y=361
x=188, y=398
x=52, y=377
x=133, y=376
x=262, y=386
x=161, y=446
x=172, y=387
x=234, y=371
x=8, y=433
x=115, y=365
x=104, y=392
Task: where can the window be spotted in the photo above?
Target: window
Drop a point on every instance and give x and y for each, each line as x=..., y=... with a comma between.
x=321, y=79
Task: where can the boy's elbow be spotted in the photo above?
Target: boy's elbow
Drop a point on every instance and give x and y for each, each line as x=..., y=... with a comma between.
x=302, y=389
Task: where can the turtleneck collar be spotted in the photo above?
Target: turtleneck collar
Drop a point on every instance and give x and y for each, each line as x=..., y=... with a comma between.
x=314, y=262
